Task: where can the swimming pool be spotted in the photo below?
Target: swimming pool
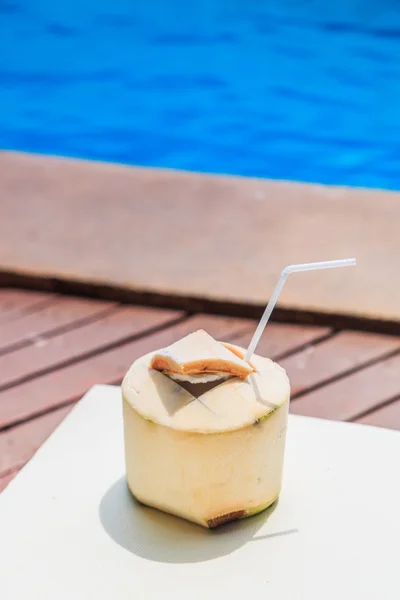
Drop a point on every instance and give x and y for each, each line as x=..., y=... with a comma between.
x=295, y=90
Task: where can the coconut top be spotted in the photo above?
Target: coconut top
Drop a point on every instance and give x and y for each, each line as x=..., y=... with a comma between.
x=230, y=404
x=198, y=354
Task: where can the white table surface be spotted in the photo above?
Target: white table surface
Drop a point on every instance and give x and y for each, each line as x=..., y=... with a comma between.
x=69, y=528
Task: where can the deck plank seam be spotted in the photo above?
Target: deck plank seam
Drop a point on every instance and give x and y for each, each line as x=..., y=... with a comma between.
x=316, y=342
x=41, y=413
x=29, y=310
x=47, y=335
x=370, y=411
x=15, y=468
x=12, y=471
x=92, y=353
x=346, y=373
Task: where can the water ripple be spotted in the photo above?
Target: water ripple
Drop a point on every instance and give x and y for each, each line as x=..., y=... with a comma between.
x=277, y=89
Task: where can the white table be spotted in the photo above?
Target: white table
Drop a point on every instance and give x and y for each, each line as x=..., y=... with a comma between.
x=69, y=528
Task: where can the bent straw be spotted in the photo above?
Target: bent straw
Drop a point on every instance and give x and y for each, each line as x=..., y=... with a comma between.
x=330, y=264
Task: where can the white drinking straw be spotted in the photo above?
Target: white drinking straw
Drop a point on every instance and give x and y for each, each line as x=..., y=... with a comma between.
x=329, y=264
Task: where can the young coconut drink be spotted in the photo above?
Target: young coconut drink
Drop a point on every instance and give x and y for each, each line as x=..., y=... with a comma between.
x=205, y=425
x=210, y=455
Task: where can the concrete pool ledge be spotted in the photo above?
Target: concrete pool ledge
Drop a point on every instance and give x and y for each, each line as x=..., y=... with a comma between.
x=198, y=241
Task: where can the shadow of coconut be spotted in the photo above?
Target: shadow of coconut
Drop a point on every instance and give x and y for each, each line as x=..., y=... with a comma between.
x=160, y=537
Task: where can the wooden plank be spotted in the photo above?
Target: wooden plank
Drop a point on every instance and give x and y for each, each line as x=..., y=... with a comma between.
x=281, y=338
x=5, y=479
x=18, y=444
x=388, y=416
x=350, y=397
x=13, y=299
x=70, y=383
x=220, y=327
x=14, y=303
x=335, y=357
x=60, y=313
x=115, y=327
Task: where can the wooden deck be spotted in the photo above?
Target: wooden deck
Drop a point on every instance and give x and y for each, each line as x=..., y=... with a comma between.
x=54, y=348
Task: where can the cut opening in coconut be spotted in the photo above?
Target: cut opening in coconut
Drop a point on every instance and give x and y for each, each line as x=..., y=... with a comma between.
x=199, y=384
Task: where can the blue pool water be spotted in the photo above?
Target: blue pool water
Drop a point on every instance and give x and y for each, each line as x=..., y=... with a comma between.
x=304, y=90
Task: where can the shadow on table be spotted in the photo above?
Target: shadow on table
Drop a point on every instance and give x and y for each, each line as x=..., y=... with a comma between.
x=157, y=536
